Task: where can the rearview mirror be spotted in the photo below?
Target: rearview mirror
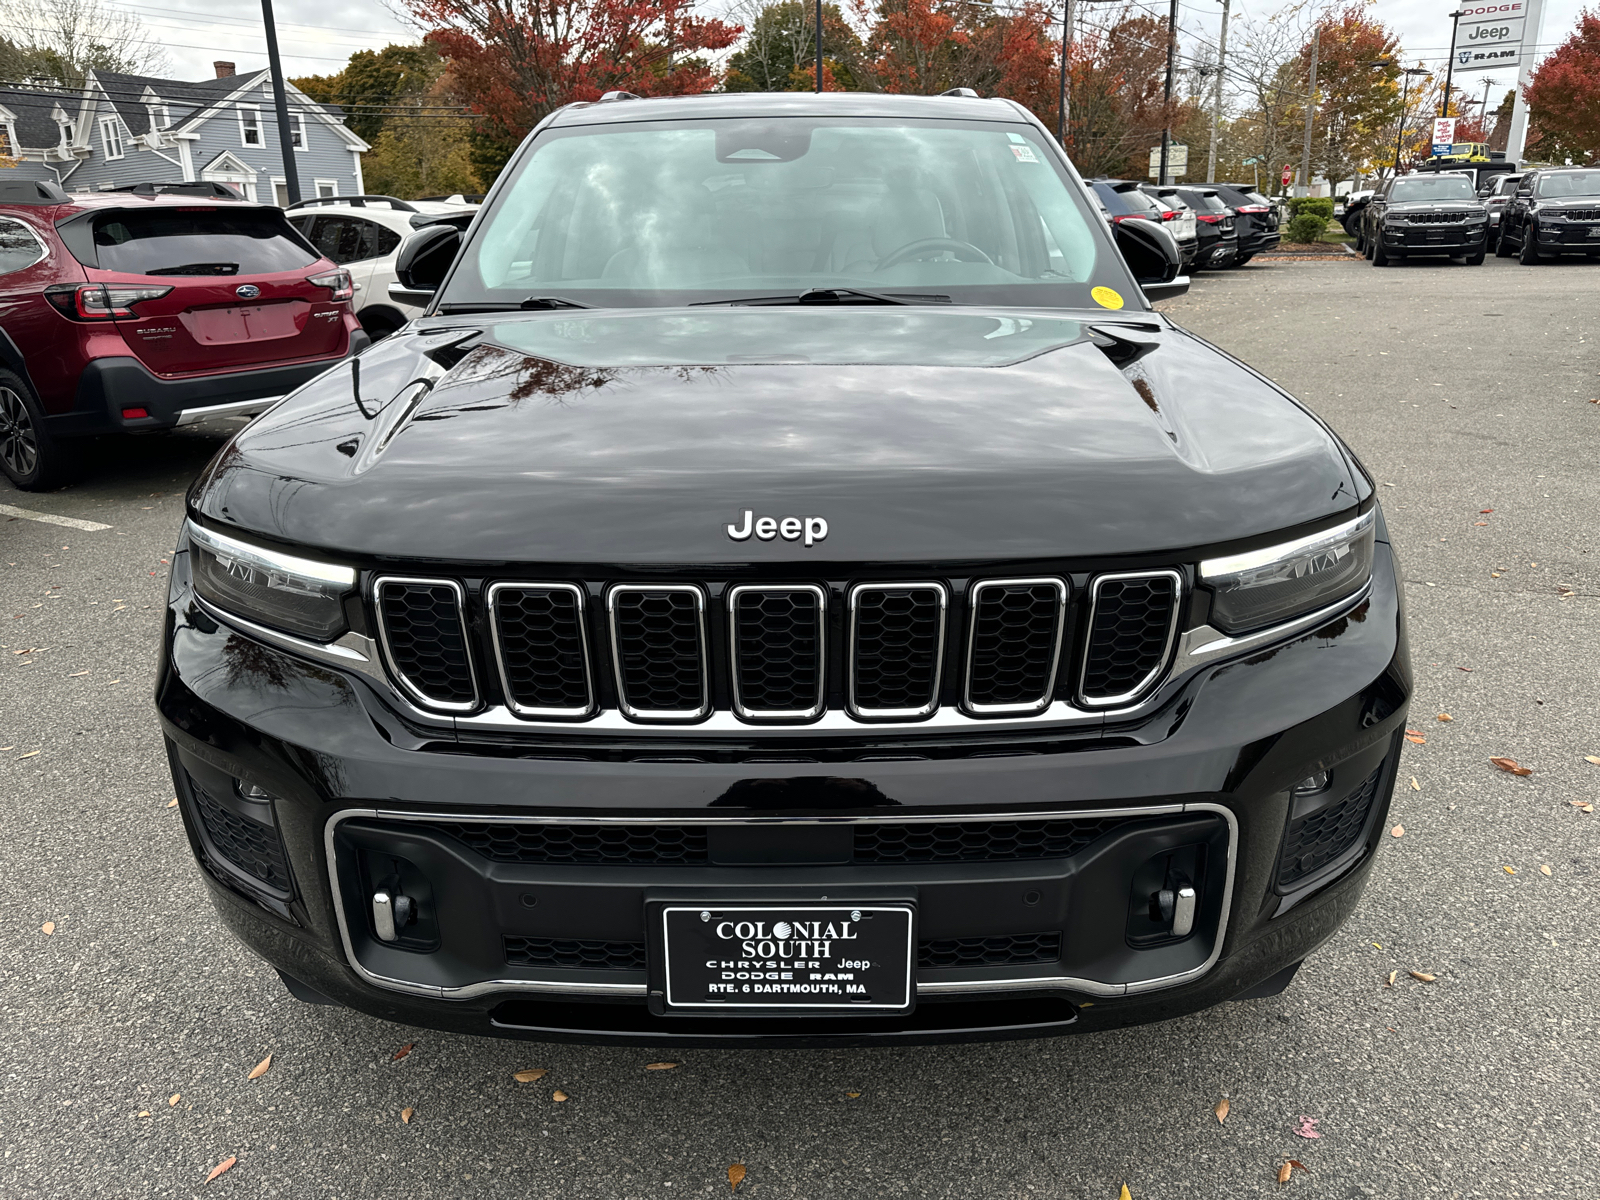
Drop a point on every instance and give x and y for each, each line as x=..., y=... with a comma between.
x=1153, y=258
x=423, y=262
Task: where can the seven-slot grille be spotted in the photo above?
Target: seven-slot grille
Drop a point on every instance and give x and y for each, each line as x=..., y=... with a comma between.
x=1435, y=218
x=549, y=657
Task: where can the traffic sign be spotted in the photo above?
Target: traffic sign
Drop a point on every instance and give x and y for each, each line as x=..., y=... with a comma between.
x=1177, y=159
x=1288, y=174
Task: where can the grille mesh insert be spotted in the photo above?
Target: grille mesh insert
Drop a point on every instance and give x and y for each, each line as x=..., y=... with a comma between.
x=1317, y=838
x=540, y=633
x=574, y=954
x=249, y=845
x=640, y=845
x=1128, y=634
x=1014, y=643
x=1005, y=951
x=426, y=640
x=660, y=664
x=778, y=649
x=898, y=636
x=977, y=841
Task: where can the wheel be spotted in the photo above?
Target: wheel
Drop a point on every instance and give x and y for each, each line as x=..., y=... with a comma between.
x=30, y=457
x=1361, y=242
x=1474, y=260
x=1528, y=253
x=1380, y=256
x=1502, y=247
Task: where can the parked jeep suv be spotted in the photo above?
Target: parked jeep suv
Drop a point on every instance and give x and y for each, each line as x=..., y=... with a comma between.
x=130, y=311
x=789, y=587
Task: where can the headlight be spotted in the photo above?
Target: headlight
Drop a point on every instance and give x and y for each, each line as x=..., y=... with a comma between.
x=1264, y=587
x=296, y=595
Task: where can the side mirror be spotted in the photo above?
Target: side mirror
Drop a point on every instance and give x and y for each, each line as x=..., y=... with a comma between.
x=1153, y=257
x=423, y=262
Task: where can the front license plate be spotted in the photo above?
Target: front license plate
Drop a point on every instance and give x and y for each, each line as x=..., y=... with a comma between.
x=788, y=956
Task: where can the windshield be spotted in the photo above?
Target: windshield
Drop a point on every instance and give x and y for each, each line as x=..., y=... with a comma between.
x=1569, y=183
x=183, y=241
x=1441, y=187
x=680, y=212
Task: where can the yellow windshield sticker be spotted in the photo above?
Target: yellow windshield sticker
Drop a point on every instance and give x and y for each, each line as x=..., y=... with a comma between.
x=1106, y=298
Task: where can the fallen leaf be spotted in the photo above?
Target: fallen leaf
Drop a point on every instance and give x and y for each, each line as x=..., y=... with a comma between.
x=1416, y=739
x=1125, y=1194
x=1509, y=870
x=260, y=1068
x=1592, y=758
x=852, y=1095
x=1390, y=981
x=1308, y=1127
x=1467, y=669
x=1581, y=805
x=1544, y=870
x=736, y=1175
x=1415, y=786
x=1480, y=522
x=558, y=1095
x=47, y=928
x=661, y=1066
x=172, y=1100
x=405, y=1114
x=1446, y=717
x=1485, y=510
x=29, y=754
x=1510, y=766
x=1222, y=1110
x=1421, y=976
x=76, y=674
x=1398, y=831
x=145, y=1113
x=532, y=1075
x=403, y=1051
x=173, y=803
x=1284, y=1172
x=222, y=1168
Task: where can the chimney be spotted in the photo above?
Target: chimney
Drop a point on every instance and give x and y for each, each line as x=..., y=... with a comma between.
x=223, y=69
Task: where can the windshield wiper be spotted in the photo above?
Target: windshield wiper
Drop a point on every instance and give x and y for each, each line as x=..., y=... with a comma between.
x=531, y=304
x=835, y=295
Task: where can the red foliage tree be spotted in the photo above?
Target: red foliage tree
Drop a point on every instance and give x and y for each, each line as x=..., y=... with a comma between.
x=927, y=46
x=1564, y=96
x=514, y=61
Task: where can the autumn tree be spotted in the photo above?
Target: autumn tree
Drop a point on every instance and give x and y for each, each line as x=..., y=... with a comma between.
x=515, y=61
x=1117, y=77
x=375, y=82
x=1357, y=104
x=779, y=50
x=924, y=47
x=1564, y=96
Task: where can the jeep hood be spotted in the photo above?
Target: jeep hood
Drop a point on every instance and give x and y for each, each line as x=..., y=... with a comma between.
x=637, y=436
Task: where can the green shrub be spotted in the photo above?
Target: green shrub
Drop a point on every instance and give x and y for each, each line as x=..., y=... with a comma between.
x=1305, y=228
x=1317, y=206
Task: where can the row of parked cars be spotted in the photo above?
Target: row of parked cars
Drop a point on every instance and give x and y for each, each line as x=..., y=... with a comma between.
x=1216, y=225
x=1536, y=215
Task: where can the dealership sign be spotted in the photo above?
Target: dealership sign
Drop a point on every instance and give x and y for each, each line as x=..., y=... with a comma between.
x=1489, y=36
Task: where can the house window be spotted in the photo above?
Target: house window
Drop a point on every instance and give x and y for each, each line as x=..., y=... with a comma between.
x=66, y=134
x=6, y=142
x=160, y=118
x=280, y=193
x=297, y=130
x=111, y=137
x=250, y=124
x=327, y=187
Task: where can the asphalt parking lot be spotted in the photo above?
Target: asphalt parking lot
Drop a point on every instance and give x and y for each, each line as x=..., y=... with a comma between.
x=1469, y=393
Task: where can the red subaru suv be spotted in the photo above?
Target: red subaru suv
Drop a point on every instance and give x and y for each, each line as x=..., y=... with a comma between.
x=127, y=311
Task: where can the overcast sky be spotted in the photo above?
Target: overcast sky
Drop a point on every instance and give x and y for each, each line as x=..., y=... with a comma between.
x=317, y=36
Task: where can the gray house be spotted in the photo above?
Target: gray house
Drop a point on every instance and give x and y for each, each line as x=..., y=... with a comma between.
x=126, y=129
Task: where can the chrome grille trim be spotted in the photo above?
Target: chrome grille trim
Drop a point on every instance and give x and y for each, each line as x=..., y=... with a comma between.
x=637, y=714
x=1159, y=670
x=406, y=684
x=735, y=659
x=581, y=600
x=1049, y=692
x=853, y=662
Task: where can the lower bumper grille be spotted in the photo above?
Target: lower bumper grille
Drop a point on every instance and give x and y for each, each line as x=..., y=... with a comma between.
x=1013, y=950
x=629, y=845
x=250, y=846
x=977, y=841
x=576, y=954
x=1318, y=838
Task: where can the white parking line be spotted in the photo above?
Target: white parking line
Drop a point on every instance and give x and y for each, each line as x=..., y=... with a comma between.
x=51, y=519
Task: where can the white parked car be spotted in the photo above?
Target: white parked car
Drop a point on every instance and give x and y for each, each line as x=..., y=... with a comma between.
x=363, y=234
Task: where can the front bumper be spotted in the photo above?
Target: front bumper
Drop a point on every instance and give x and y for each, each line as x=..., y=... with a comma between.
x=543, y=946
x=1435, y=239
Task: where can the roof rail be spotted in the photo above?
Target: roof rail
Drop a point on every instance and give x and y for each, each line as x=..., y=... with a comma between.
x=31, y=191
x=964, y=93
x=207, y=188
x=393, y=202
x=618, y=96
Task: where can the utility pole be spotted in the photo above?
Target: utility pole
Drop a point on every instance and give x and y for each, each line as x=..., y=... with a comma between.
x=1311, y=112
x=291, y=173
x=1166, y=129
x=1066, y=57
x=1450, y=63
x=1216, y=99
x=819, y=45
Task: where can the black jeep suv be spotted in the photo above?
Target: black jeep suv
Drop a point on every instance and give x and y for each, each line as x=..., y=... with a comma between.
x=1432, y=214
x=789, y=588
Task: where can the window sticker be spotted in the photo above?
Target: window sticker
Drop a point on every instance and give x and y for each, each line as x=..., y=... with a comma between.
x=1025, y=154
x=1018, y=138
x=1106, y=298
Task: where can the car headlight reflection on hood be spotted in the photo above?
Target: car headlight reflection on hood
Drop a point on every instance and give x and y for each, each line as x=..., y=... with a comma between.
x=1263, y=587
x=282, y=591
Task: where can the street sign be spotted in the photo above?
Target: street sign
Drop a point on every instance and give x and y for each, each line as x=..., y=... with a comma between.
x=1177, y=160
x=1490, y=36
x=1444, y=133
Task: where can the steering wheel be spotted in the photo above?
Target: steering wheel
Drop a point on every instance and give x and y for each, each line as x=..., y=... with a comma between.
x=925, y=247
